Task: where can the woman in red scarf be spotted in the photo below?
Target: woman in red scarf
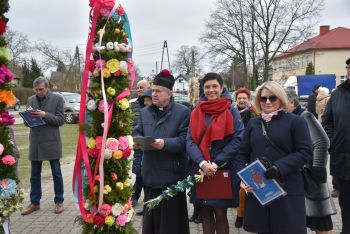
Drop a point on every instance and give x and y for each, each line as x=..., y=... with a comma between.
x=214, y=137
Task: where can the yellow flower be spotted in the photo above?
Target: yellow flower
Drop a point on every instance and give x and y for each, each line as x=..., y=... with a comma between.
x=95, y=188
x=118, y=154
x=106, y=73
x=113, y=65
x=111, y=91
x=127, y=183
x=119, y=185
x=117, y=30
x=107, y=189
x=125, y=73
x=91, y=143
x=124, y=104
x=109, y=220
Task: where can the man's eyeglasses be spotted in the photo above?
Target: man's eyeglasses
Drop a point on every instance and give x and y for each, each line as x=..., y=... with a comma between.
x=272, y=98
x=347, y=67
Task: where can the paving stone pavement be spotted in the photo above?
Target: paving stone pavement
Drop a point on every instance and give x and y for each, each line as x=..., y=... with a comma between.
x=45, y=221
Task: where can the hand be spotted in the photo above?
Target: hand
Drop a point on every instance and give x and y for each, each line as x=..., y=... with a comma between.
x=272, y=173
x=266, y=162
x=208, y=169
x=37, y=114
x=320, y=174
x=246, y=187
x=158, y=144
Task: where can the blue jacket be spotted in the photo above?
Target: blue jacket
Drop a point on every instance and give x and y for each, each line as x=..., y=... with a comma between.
x=161, y=168
x=221, y=152
x=290, y=133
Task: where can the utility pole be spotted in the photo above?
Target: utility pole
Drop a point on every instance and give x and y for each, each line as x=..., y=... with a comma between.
x=193, y=65
x=156, y=67
x=165, y=46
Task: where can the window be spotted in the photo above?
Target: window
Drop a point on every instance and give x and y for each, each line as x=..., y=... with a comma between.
x=342, y=79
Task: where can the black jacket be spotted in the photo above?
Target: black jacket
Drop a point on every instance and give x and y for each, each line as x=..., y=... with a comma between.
x=336, y=122
x=311, y=103
x=161, y=168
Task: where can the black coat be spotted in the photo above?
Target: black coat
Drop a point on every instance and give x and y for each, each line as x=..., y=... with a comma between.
x=336, y=122
x=311, y=104
x=161, y=168
x=290, y=133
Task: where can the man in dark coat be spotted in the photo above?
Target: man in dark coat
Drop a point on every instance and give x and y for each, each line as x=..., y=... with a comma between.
x=142, y=86
x=311, y=101
x=167, y=122
x=337, y=126
x=45, y=143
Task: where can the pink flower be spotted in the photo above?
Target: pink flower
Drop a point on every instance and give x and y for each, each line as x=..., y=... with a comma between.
x=120, y=10
x=101, y=106
x=107, y=3
x=104, y=12
x=114, y=176
x=8, y=160
x=106, y=209
x=93, y=153
x=98, y=142
x=5, y=73
x=112, y=144
x=121, y=220
x=100, y=63
x=123, y=142
x=127, y=152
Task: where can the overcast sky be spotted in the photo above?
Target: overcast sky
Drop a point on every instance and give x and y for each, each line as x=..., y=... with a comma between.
x=65, y=23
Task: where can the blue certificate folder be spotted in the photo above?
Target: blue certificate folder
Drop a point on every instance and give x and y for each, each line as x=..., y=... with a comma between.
x=31, y=122
x=265, y=190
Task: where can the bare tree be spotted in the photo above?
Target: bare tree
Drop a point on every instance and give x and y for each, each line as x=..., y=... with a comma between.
x=18, y=43
x=255, y=31
x=188, y=60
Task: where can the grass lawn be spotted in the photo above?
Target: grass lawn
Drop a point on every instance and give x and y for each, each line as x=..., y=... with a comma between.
x=69, y=136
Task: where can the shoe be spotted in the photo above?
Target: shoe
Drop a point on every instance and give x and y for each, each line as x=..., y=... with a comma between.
x=139, y=213
x=198, y=219
x=30, y=209
x=239, y=222
x=335, y=193
x=58, y=208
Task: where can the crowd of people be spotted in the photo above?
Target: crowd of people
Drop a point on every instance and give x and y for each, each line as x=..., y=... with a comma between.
x=215, y=134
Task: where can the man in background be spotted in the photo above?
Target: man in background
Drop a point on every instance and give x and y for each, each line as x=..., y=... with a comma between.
x=45, y=143
x=311, y=101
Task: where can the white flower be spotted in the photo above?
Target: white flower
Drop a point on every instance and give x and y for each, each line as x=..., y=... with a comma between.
x=91, y=105
x=116, y=46
x=123, y=66
x=129, y=214
x=117, y=209
x=108, y=153
x=130, y=140
x=109, y=46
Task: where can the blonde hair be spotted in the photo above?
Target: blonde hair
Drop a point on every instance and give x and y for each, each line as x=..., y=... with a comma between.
x=274, y=88
x=193, y=91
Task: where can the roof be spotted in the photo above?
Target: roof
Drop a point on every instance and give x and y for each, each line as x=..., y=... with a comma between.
x=337, y=38
x=184, y=76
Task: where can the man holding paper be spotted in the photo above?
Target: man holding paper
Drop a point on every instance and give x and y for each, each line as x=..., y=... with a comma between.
x=165, y=163
x=45, y=143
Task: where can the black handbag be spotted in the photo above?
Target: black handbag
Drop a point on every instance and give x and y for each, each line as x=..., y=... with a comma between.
x=311, y=187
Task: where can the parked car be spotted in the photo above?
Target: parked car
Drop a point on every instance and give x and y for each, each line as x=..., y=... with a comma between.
x=71, y=106
x=17, y=105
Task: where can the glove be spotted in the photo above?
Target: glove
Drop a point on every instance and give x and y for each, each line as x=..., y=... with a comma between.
x=266, y=162
x=320, y=174
x=272, y=173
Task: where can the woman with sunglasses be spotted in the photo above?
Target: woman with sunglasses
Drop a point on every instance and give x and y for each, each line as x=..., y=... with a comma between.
x=290, y=149
x=214, y=136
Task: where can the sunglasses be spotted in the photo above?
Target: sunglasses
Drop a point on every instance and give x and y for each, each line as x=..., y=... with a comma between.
x=272, y=98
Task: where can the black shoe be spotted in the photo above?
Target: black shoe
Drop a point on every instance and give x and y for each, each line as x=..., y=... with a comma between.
x=239, y=222
x=198, y=219
x=139, y=213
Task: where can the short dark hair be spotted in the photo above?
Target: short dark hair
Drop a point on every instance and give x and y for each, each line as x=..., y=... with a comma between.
x=212, y=76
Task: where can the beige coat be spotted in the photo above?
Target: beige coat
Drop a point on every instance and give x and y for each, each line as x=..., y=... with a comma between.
x=321, y=102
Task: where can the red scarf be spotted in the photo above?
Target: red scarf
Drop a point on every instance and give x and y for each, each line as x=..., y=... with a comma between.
x=221, y=123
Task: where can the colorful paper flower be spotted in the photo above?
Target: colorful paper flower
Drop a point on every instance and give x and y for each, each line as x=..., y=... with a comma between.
x=129, y=214
x=7, y=97
x=121, y=10
x=117, y=154
x=106, y=73
x=113, y=65
x=92, y=65
x=101, y=106
x=127, y=152
x=5, y=74
x=104, y=12
x=99, y=220
x=7, y=188
x=111, y=91
x=123, y=104
x=91, y=143
x=5, y=53
x=91, y=105
x=1, y=149
x=96, y=73
x=93, y=153
x=106, y=209
x=98, y=141
x=114, y=176
x=8, y=160
x=121, y=220
x=2, y=26
x=123, y=142
x=119, y=185
x=6, y=118
x=117, y=209
x=112, y=144
x=109, y=220
x=108, y=153
x=100, y=64
x=127, y=183
x=123, y=66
